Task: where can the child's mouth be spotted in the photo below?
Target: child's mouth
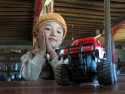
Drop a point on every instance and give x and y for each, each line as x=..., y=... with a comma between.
x=53, y=39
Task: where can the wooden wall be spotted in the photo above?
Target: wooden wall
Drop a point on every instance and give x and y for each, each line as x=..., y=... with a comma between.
x=16, y=19
x=85, y=16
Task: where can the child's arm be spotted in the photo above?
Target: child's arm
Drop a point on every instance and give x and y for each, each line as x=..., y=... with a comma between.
x=31, y=67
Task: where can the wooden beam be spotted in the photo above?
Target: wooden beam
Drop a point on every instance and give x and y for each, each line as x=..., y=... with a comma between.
x=85, y=7
x=91, y=3
x=17, y=9
x=87, y=12
x=81, y=16
x=84, y=28
x=15, y=3
x=118, y=1
x=81, y=26
x=16, y=13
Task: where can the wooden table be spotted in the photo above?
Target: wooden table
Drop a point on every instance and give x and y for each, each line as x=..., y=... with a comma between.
x=50, y=87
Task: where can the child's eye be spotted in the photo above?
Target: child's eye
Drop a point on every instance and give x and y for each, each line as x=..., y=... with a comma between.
x=47, y=28
x=58, y=31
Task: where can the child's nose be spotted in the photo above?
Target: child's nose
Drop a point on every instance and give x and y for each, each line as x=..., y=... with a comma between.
x=53, y=32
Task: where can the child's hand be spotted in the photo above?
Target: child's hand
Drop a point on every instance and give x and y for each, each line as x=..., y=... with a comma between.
x=50, y=49
x=41, y=42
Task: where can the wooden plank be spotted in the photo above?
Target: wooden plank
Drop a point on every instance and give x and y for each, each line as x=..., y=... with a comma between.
x=88, y=12
x=85, y=7
x=16, y=9
x=121, y=1
x=91, y=3
x=92, y=17
x=16, y=13
x=82, y=26
x=16, y=3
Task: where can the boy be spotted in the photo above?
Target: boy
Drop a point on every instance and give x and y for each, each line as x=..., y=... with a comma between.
x=51, y=30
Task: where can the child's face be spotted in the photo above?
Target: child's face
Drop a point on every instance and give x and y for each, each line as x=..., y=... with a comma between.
x=54, y=33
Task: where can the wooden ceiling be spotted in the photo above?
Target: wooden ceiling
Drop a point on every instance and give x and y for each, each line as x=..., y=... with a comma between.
x=16, y=19
x=84, y=17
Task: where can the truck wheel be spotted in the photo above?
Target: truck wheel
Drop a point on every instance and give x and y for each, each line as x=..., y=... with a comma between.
x=106, y=73
x=76, y=74
x=62, y=75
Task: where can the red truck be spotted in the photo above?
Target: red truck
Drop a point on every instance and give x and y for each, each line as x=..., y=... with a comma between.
x=84, y=60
